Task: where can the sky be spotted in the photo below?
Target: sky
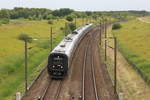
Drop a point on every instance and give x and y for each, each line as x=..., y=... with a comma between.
x=80, y=5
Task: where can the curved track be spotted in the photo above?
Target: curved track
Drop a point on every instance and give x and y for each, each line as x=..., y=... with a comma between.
x=87, y=79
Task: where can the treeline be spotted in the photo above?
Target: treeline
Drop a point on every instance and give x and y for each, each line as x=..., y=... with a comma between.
x=27, y=13
x=43, y=13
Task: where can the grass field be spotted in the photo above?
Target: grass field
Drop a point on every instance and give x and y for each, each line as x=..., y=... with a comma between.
x=12, y=53
x=134, y=42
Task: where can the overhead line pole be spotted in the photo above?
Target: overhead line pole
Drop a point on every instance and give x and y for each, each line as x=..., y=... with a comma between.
x=105, y=32
x=100, y=34
x=115, y=65
x=105, y=28
x=75, y=21
x=51, y=38
x=82, y=21
x=26, y=65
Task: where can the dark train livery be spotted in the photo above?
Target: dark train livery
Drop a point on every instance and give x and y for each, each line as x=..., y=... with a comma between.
x=61, y=56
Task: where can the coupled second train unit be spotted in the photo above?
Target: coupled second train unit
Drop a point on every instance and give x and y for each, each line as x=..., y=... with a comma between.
x=60, y=58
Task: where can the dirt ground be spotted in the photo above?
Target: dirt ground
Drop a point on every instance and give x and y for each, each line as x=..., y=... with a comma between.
x=144, y=19
x=130, y=82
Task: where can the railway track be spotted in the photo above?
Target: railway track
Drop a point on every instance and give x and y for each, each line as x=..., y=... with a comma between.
x=53, y=90
x=88, y=74
x=94, y=80
x=85, y=80
x=83, y=73
x=38, y=86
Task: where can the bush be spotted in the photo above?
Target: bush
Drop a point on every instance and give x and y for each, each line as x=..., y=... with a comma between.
x=24, y=37
x=5, y=21
x=116, y=26
x=50, y=22
x=50, y=16
x=72, y=26
x=69, y=18
x=30, y=18
x=61, y=28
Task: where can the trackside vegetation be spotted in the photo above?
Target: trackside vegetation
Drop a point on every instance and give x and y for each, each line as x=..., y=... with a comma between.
x=133, y=42
x=116, y=26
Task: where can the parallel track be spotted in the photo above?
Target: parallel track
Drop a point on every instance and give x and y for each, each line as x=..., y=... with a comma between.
x=84, y=77
x=83, y=73
x=51, y=88
x=90, y=83
x=94, y=80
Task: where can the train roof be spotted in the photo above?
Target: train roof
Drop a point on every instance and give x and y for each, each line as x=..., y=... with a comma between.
x=66, y=45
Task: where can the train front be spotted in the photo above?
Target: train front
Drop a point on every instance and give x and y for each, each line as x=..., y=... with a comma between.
x=57, y=65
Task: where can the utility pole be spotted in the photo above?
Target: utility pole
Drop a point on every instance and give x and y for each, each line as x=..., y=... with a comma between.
x=100, y=33
x=75, y=21
x=26, y=65
x=115, y=65
x=90, y=20
x=86, y=20
x=105, y=28
x=65, y=29
x=105, y=49
x=51, y=38
x=82, y=21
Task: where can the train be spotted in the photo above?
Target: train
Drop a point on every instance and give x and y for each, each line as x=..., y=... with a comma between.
x=61, y=56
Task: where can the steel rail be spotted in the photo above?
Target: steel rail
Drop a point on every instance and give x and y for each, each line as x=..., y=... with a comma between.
x=83, y=71
x=94, y=79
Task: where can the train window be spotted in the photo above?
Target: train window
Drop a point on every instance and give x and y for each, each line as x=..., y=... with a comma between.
x=62, y=51
x=74, y=32
x=63, y=45
x=68, y=39
x=58, y=58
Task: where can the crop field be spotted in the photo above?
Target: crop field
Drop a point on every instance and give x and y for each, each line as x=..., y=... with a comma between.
x=12, y=52
x=134, y=43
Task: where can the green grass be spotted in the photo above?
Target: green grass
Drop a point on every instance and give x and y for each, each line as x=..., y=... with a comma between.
x=12, y=53
x=134, y=42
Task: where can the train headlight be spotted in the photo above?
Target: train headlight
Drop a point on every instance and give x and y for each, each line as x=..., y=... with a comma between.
x=53, y=66
x=61, y=67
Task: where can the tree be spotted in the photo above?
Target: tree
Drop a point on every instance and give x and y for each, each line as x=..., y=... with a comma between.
x=50, y=22
x=4, y=13
x=5, y=21
x=50, y=16
x=88, y=13
x=72, y=26
x=62, y=12
x=66, y=11
x=25, y=37
x=69, y=18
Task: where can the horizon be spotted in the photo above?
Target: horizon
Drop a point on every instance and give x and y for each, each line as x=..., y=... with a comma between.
x=77, y=10
x=78, y=5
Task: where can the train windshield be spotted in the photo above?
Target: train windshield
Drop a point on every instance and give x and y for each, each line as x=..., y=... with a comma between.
x=57, y=60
